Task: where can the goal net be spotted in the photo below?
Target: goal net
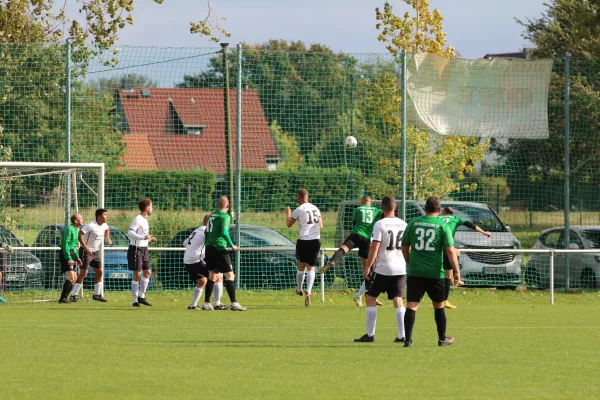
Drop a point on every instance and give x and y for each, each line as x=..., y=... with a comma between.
x=36, y=202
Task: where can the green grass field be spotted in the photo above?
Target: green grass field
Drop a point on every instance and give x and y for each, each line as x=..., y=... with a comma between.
x=508, y=345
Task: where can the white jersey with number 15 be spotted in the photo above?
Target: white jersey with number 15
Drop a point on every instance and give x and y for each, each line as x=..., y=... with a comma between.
x=309, y=220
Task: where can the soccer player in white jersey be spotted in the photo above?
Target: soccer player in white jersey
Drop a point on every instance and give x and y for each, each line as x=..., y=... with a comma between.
x=193, y=261
x=90, y=238
x=390, y=275
x=309, y=241
x=138, y=256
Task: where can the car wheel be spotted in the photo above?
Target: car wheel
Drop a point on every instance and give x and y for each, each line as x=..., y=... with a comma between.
x=532, y=278
x=588, y=279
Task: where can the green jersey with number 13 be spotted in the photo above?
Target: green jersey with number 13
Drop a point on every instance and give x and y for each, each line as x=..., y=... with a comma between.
x=363, y=220
x=427, y=236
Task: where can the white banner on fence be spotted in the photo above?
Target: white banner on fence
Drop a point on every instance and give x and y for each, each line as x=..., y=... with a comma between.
x=483, y=98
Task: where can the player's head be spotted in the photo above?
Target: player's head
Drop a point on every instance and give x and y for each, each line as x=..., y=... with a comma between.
x=145, y=205
x=448, y=211
x=205, y=219
x=365, y=201
x=388, y=204
x=223, y=203
x=432, y=205
x=76, y=219
x=101, y=215
x=302, y=196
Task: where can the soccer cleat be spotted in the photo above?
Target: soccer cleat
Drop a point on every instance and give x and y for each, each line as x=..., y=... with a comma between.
x=307, y=300
x=142, y=300
x=64, y=301
x=326, y=267
x=135, y=305
x=449, y=305
x=299, y=293
x=399, y=340
x=377, y=302
x=192, y=307
x=447, y=342
x=74, y=299
x=207, y=307
x=221, y=307
x=99, y=298
x=408, y=344
x=358, y=301
x=237, y=307
x=3, y=300
x=365, y=339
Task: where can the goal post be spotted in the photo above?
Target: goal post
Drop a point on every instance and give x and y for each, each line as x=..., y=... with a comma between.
x=36, y=200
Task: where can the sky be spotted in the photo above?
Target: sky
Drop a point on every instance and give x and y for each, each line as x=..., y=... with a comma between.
x=474, y=27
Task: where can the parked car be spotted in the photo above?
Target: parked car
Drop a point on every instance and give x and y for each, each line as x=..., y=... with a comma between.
x=476, y=268
x=258, y=270
x=584, y=268
x=23, y=269
x=116, y=274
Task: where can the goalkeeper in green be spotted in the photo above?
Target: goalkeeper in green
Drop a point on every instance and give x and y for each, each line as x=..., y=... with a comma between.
x=364, y=218
x=453, y=223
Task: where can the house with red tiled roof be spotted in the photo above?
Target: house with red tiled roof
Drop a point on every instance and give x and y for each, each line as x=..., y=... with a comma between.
x=171, y=129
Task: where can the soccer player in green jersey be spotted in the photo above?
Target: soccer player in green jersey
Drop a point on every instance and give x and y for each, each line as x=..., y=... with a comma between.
x=217, y=242
x=364, y=218
x=424, y=242
x=68, y=256
x=454, y=222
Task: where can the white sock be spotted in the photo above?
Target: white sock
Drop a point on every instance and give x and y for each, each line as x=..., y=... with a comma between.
x=75, y=290
x=135, y=288
x=371, y=320
x=98, y=289
x=400, y=321
x=101, y=288
x=310, y=281
x=143, y=286
x=362, y=290
x=299, y=280
x=196, y=296
x=218, y=292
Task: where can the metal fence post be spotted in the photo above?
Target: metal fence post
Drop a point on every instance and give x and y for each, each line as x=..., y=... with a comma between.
x=403, y=125
x=238, y=162
x=67, y=128
x=551, y=276
x=322, y=263
x=567, y=193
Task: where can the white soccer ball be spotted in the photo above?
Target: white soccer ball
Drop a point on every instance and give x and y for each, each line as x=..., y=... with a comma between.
x=351, y=142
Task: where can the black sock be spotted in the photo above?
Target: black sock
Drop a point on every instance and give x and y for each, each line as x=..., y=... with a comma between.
x=440, y=321
x=67, y=287
x=230, y=286
x=448, y=284
x=208, y=289
x=337, y=256
x=409, y=323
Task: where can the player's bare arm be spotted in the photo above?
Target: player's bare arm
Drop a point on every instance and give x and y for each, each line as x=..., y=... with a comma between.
x=107, y=236
x=406, y=253
x=486, y=233
x=451, y=253
x=372, y=255
x=289, y=221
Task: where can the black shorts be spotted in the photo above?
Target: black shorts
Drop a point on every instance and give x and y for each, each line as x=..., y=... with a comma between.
x=447, y=265
x=355, y=240
x=138, y=258
x=197, y=271
x=417, y=286
x=393, y=285
x=89, y=260
x=64, y=263
x=217, y=260
x=307, y=251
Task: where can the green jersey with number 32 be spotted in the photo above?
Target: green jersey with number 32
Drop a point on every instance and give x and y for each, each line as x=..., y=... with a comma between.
x=363, y=220
x=427, y=236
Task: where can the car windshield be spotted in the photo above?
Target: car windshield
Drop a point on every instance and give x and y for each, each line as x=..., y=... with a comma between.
x=252, y=237
x=7, y=237
x=118, y=238
x=485, y=218
x=592, y=236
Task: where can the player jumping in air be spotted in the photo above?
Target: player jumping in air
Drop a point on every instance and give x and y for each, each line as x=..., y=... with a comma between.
x=390, y=275
x=425, y=240
x=138, y=256
x=309, y=241
x=454, y=222
x=90, y=238
x=364, y=218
